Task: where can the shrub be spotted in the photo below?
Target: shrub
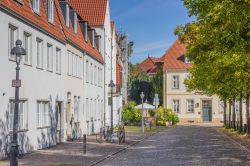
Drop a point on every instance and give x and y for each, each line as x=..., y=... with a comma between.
x=164, y=115
x=151, y=113
x=130, y=114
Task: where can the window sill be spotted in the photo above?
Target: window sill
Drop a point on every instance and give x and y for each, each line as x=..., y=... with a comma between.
x=58, y=73
x=40, y=68
x=45, y=127
x=49, y=70
x=36, y=12
x=12, y=59
x=28, y=64
x=190, y=112
x=20, y=2
x=23, y=130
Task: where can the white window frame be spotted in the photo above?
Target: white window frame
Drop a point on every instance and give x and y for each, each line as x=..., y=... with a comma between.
x=91, y=73
x=13, y=36
x=75, y=22
x=36, y=6
x=39, y=53
x=176, y=106
x=175, y=82
x=69, y=63
x=22, y=114
x=58, y=61
x=43, y=114
x=190, y=105
x=67, y=15
x=27, y=44
x=51, y=11
x=87, y=71
x=49, y=57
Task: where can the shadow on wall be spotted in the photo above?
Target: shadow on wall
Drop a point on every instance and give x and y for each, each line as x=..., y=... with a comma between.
x=5, y=138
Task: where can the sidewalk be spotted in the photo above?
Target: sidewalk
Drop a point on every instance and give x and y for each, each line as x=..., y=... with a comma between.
x=72, y=152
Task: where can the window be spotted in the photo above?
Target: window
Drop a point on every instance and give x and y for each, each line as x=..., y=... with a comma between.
x=36, y=5
x=43, y=118
x=39, y=53
x=49, y=57
x=58, y=60
x=13, y=33
x=95, y=75
x=175, y=83
x=91, y=73
x=73, y=64
x=51, y=11
x=69, y=63
x=176, y=106
x=75, y=22
x=22, y=115
x=67, y=15
x=87, y=71
x=27, y=46
x=190, y=106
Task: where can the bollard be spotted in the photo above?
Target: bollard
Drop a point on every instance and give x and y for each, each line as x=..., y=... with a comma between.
x=84, y=144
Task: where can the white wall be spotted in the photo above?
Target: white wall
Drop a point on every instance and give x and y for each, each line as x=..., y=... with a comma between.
x=37, y=84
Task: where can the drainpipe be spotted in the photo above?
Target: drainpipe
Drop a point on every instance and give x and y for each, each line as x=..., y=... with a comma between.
x=104, y=80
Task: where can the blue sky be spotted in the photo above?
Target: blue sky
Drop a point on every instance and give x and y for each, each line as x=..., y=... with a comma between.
x=149, y=23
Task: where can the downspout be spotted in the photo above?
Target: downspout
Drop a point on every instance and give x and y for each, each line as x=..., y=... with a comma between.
x=104, y=80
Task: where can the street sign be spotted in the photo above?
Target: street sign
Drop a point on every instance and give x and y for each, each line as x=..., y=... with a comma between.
x=16, y=83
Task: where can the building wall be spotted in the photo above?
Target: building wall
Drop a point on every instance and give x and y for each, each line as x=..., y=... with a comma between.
x=183, y=95
x=37, y=84
x=93, y=98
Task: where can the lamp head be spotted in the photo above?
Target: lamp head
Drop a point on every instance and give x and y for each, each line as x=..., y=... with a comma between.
x=18, y=50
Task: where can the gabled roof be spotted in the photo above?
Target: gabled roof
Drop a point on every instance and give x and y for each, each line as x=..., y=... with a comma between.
x=25, y=12
x=94, y=11
x=174, y=57
x=149, y=65
x=78, y=38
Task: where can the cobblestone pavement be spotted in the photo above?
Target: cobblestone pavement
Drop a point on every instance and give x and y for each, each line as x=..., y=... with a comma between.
x=72, y=152
x=184, y=146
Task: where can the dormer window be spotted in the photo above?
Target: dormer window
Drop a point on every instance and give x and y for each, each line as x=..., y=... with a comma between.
x=67, y=15
x=36, y=5
x=186, y=59
x=86, y=31
x=51, y=11
x=75, y=22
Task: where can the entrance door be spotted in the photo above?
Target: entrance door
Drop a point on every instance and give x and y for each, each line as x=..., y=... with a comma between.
x=58, y=122
x=207, y=110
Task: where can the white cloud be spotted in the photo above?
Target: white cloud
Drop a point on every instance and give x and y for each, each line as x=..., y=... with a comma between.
x=149, y=47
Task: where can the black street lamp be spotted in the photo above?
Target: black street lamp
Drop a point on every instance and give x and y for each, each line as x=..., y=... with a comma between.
x=142, y=120
x=111, y=85
x=18, y=50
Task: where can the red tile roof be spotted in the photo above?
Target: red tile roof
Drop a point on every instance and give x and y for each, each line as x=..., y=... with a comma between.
x=94, y=11
x=112, y=26
x=174, y=57
x=149, y=65
x=25, y=11
x=77, y=38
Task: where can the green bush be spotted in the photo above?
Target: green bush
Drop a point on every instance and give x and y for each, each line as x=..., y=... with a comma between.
x=151, y=113
x=164, y=115
x=131, y=115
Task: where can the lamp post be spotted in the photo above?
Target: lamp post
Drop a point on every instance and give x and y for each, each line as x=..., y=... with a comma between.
x=156, y=104
x=18, y=50
x=142, y=120
x=111, y=85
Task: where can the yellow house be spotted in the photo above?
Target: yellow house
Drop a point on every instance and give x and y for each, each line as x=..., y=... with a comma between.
x=190, y=107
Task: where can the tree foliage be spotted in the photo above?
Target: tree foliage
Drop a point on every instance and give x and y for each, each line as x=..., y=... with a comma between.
x=130, y=114
x=218, y=45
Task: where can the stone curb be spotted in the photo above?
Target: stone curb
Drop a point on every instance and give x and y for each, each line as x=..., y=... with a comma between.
x=119, y=151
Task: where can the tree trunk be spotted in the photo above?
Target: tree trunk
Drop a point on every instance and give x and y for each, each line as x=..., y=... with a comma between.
x=225, y=113
x=247, y=114
x=230, y=112
x=240, y=111
x=234, y=114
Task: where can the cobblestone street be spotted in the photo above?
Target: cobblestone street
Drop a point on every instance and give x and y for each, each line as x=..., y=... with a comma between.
x=185, y=146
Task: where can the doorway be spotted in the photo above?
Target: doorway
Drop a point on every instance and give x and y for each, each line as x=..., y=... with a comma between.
x=59, y=122
x=207, y=110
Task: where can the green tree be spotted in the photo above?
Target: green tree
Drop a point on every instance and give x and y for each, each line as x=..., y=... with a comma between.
x=218, y=45
x=157, y=83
